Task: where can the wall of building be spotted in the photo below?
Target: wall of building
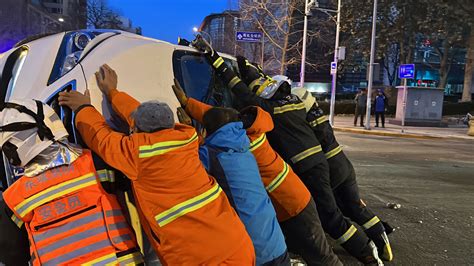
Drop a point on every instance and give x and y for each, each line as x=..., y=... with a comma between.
x=22, y=18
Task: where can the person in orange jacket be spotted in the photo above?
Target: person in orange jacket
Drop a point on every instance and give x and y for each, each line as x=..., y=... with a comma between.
x=184, y=213
x=294, y=206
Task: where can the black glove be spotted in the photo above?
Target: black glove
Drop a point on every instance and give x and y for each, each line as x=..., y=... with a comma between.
x=248, y=72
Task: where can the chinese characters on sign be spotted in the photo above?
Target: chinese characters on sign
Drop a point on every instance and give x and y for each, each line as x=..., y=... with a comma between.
x=243, y=36
x=406, y=71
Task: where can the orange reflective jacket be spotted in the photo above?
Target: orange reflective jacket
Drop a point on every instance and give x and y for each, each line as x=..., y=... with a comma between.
x=70, y=219
x=288, y=194
x=184, y=212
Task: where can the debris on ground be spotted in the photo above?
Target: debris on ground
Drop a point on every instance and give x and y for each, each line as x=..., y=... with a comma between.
x=394, y=206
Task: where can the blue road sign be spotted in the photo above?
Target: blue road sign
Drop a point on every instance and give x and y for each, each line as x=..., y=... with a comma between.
x=406, y=71
x=244, y=36
x=333, y=68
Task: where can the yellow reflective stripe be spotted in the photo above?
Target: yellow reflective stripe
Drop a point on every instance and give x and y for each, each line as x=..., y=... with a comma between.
x=17, y=221
x=347, y=235
x=265, y=84
x=318, y=121
x=164, y=147
x=387, y=252
x=289, y=107
x=55, y=191
x=303, y=155
x=234, y=82
x=106, y=175
x=131, y=259
x=333, y=152
x=322, y=119
x=218, y=62
x=278, y=179
x=104, y=260
x=256, y=82
x=190, y=205
x=258, y=142
x=371, y=222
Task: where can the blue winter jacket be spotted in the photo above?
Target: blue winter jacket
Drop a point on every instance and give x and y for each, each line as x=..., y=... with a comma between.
x=226, y=156
x=380, y=102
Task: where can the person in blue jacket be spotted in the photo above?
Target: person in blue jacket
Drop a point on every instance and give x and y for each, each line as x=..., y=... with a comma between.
x=226, y=156
x=380, y=104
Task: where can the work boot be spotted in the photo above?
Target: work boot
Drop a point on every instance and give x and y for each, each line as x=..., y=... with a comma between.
x=362, y=248
x=383, y=246
x=368, y=255
x=388, y=228
x=378, y=235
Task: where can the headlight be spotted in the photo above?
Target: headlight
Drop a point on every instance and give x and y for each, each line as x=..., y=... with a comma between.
x=71, y=49
x=81, y=40
x=70, y=62
x=75, y=44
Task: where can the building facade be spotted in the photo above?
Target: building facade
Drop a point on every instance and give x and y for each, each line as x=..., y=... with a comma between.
x=73, y=12
x=22, y=18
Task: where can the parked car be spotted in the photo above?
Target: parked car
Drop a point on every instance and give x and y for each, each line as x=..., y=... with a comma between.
x=42, y=68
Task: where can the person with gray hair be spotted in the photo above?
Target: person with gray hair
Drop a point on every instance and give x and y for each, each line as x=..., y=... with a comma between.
x=180, y=205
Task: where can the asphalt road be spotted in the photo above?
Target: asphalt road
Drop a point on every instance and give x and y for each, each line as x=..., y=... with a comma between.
x=433, y=180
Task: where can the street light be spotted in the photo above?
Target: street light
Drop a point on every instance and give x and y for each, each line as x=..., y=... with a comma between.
x=371, y=66
x=55, y=23
x=195, y=29
x=307, y=12
x=336, y=55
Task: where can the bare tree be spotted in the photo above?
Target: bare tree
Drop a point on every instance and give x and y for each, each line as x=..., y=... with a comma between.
x=467, y=9
x=281, y=22
x=101, y=16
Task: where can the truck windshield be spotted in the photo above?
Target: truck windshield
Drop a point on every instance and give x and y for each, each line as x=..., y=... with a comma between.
x=199, y=79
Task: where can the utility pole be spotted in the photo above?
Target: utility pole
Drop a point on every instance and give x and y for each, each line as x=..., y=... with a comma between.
x=307, y=12
x=336, y=59
x=371, y=67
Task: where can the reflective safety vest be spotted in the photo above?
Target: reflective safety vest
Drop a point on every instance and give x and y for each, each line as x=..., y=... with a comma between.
x=288, y=193
x=70, y=219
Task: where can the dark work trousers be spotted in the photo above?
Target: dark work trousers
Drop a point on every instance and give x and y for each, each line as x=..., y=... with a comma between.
x=380, y=115
x=359, y=111
x=283, y=260
x=333, y=221
x=305, y=237
x=14, y=246
x=351, y=205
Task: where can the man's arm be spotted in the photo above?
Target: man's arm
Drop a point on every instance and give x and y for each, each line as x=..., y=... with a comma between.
x=116, y=149
x=197, y=109
x=123, y=105
x=229, y=77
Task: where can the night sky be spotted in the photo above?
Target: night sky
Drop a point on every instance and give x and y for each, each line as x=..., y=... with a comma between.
x=168, y=19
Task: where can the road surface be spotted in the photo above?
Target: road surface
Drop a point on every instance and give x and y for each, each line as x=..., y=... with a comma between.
x=433, y=180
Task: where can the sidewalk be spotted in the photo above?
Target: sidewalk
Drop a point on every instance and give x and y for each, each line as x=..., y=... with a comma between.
x=346, y=124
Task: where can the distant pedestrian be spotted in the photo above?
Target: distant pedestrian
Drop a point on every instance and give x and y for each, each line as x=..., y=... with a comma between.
x=380, y=105
x=361, y=105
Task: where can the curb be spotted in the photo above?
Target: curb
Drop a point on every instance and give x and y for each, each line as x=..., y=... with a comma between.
x=391, y=134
